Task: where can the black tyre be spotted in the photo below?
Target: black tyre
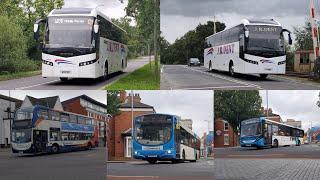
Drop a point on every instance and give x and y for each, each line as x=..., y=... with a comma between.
x=231, y=69
x=63, y=79
x=275, y=143
x=55, y=148
x=263, y=76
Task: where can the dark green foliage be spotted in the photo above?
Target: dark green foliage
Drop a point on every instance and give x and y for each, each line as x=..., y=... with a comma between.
x=236, y=106
x=191, y=45
x=113, y=102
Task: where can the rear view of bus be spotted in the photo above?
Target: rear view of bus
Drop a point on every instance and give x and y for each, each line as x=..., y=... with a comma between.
x=159, y=137
x=256, y=46
x=81, y=43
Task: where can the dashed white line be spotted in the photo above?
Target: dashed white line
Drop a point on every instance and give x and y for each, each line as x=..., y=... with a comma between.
x=35, y=85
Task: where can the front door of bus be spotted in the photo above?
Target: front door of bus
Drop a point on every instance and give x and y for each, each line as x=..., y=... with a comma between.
x=40, y=140
x=268, y=134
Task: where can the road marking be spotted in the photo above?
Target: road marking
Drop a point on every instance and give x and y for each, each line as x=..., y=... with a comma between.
x=133, y=177
x=224, y=78
x=215, y=87
x=35, y=85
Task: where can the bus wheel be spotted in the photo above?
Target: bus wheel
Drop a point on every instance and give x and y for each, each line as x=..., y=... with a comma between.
x=105, y=74
x=63, y=79
x=231, y=69
x=263, y=76
x=210, y=67
x=152, y=161
x=299, y=143
x=55, y=148
x=275, y=143
x=183, y=156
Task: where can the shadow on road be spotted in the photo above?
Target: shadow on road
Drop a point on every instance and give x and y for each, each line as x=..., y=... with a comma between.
x=86, y=82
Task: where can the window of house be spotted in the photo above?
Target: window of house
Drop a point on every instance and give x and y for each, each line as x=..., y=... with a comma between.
x=304, y=58
x=226, y=126
x=226, y=139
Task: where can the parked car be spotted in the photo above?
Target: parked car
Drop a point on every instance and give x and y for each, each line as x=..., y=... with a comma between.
x=194, y=62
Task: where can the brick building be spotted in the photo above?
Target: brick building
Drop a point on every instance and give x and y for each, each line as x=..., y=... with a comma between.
x=120, y=126
x=224, y=136
x=87, y=106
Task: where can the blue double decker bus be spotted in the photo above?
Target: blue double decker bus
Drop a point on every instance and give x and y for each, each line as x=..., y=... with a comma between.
x=162, y=137
x=264, y=133
x=39, y=129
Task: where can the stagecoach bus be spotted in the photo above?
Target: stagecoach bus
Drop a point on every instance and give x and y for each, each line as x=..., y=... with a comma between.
x=81, y=43
x=43, y=130
x=161, y=137
x=264, y=133
x=256, y=46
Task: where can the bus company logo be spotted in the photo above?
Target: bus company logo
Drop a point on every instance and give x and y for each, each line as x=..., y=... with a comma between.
x=210, y=51
x=62, y=61
x=266, y=61
x=227, y=49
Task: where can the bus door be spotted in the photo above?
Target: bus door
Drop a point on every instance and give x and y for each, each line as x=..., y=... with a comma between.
x=40, y=140
x=268, y=134
x=177, y=140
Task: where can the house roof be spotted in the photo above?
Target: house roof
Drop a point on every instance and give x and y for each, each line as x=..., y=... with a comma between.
x=18, y=102
x=87, y=98
x=49, y=102
x=128, y=104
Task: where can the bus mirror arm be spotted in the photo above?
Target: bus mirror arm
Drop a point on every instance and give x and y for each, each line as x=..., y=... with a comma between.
x=289, y=36
x=36, y=28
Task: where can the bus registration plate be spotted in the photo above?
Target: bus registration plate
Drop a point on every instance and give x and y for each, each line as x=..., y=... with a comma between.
x=154, y=148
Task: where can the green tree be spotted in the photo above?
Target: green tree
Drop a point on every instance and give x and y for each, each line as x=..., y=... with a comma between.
x=113, y=102
x=12, y=45
x=303, y=37
x=192, y=44
x=236, y=106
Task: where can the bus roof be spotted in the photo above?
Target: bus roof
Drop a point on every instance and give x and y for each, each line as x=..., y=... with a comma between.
x=275, y=122
x=91, y=12
x=246, y=22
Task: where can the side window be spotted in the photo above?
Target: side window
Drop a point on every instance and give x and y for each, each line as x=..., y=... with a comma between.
x=64, y=117
x=55, y=116
x=73, y=118
x=65, y=136
x=55, y=134
x=275, y=129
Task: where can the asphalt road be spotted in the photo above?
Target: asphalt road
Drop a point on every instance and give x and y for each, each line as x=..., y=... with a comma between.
x=197, y=78
x=292, y=152
x=40, y=83
x=200, y=170
x=80, y=165
x=292, y=162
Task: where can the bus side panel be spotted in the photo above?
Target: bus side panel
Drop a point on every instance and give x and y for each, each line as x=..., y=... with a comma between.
x=115, y=53
x=189, y=152
x=284, y=140
x=208, y=56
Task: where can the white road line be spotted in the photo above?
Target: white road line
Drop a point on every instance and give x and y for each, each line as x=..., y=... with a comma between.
x=215, y=87
x=35, y=85
x=225, y=78
x=151, y=177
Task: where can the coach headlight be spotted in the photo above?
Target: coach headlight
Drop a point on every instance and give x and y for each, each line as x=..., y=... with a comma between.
x=169, y=151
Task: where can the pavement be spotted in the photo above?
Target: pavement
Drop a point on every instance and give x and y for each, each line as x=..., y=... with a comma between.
x=200, y=170
x=198, y=78
x=40, y=83
x=294, y=162
x=80, y=165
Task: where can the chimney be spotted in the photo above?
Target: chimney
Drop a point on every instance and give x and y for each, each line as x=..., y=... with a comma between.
x=136, y=98
x=123, y=96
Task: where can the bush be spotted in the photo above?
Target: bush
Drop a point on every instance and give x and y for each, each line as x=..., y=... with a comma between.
x=13, y=48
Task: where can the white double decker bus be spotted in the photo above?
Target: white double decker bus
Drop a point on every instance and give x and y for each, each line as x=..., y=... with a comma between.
x=81, y=43
x=256, y=46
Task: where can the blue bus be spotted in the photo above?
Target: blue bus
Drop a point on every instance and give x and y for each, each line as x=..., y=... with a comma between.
x=162, y=137
x=264, y=133
x=39, y=129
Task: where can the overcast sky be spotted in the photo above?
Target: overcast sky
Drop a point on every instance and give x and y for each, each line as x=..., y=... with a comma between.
x=100, y=96
x=112, y=8
x=195, y=105
x=180, y=16
x=298, y=105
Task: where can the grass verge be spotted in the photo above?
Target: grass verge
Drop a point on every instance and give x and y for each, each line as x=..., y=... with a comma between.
x=144, y=78
x=5, y=77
